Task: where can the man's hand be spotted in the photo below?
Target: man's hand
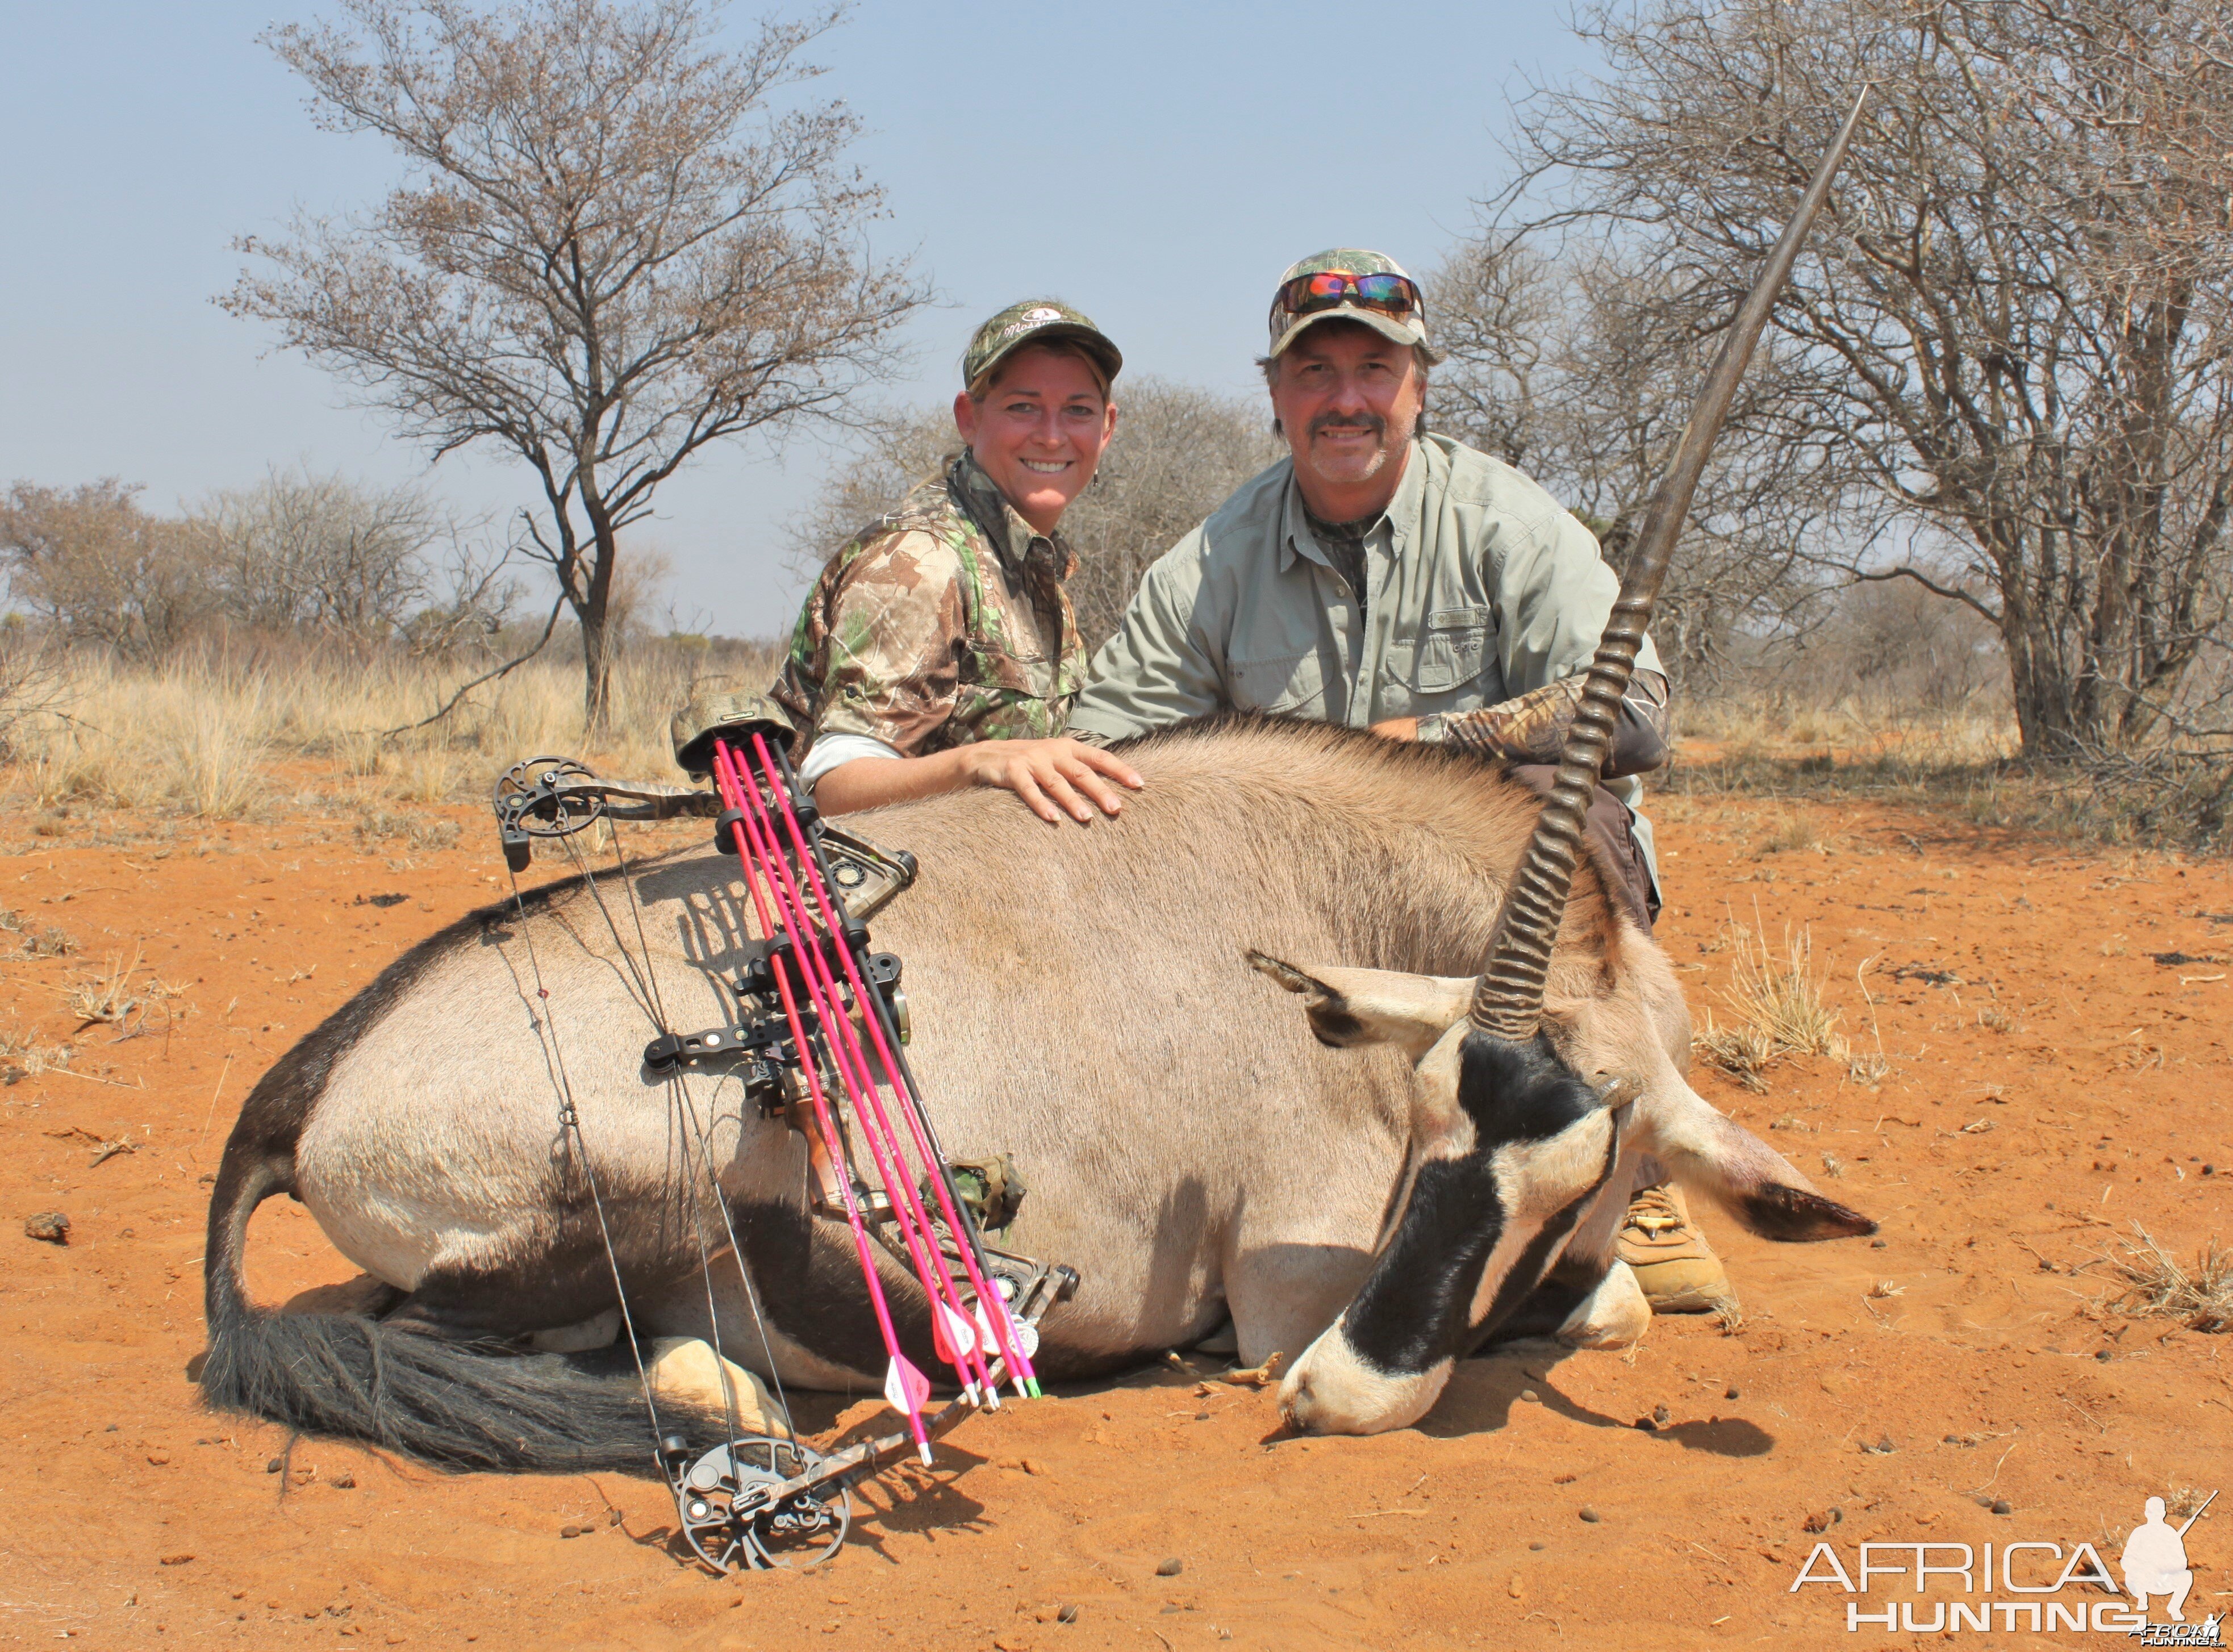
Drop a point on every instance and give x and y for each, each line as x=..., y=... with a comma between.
x=1396, y=728
x=1051, y=776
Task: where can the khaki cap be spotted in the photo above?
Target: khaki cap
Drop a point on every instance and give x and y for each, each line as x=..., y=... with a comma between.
x=1355, y=261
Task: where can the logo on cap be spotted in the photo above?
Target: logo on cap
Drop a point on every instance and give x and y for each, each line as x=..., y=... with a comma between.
x=1042, y=314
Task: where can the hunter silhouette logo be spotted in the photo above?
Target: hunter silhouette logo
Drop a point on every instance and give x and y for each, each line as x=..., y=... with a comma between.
x=2041, y=1583
x=2154, y=1561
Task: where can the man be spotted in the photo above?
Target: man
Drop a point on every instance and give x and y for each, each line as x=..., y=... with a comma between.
x=2154, y=1563
x=1395, y=580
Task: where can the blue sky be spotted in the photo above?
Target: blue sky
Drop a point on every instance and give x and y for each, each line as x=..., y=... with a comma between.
x=1156, y=164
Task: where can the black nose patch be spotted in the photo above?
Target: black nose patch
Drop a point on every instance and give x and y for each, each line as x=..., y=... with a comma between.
x=1416, y=1309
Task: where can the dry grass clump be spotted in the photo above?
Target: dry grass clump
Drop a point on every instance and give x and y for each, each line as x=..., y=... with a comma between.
x=216, y=758
x=190, y=737
x=420, y=832
x=429, y=775
x=1953, y=758
x=1997, y=1017
x=1744, y=1051
x=22, y=1056
x=1793, y=834
x=200, y=735
x=112, y=997
x=2151, y=1284
x=43, y=940
x=1779, y=1005
x=2182, y=1501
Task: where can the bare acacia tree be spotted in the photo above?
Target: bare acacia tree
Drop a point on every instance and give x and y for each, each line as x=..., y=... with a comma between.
x=94, y=568
x=2009, y=345
x=319, y=553
x=1178, y=452
x=356, y=565
x=608, y=250
x=1577, y=362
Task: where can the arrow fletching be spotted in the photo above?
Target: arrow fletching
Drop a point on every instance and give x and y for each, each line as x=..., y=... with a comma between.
x=1024, y=1336
x=905, y=1387
x=959, y=1332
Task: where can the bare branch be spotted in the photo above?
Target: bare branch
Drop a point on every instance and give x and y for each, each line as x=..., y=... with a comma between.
x=510, y=666
x=610, y=247
x=2012, y=335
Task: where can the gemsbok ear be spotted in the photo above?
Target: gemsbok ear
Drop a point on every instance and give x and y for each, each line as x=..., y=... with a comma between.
x=1713, y=1154
x=1361, y=1006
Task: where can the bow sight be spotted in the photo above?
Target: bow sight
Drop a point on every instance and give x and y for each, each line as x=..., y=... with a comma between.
x=815, y=1033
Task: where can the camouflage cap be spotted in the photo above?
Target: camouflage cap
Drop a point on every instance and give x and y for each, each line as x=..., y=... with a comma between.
x=1354, y=261
x=1034, y=320
x=718, y=714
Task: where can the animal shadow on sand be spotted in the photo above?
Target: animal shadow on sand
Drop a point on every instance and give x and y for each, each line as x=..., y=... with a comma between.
x=1483, y=1392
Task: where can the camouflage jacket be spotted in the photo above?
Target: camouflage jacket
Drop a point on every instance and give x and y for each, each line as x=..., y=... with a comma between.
x=940, y=624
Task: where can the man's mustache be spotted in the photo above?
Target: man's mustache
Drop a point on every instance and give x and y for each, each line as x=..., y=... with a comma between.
x=1373, y=422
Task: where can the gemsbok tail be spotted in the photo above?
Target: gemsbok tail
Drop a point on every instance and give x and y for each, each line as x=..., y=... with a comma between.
x=456, y=1405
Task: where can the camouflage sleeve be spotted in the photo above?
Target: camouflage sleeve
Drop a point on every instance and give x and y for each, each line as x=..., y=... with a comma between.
x=1533, y=728
x=878, y=652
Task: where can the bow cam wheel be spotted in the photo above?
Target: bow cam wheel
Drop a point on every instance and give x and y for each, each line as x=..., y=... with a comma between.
x=734, y=1520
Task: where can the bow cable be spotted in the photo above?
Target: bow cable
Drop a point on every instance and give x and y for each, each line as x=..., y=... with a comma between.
x=678, y=1091
x=706, y=1157
x=569, y=1122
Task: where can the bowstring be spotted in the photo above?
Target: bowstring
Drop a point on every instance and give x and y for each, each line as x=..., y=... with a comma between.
x=646, y=1000
x=712, y=1314
x=655, y=1007
x=569, y=1120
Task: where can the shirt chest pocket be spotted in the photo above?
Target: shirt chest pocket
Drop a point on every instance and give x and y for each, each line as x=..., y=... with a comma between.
x=1293, y=683
x=1002, y=697
x=1451, y=648
x=1004, y=671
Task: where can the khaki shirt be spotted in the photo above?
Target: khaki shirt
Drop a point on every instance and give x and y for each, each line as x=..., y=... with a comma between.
x=943, y=623
x=1482, y=588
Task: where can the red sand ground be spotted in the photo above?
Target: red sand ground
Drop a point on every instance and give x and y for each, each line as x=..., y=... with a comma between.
x=2061, y=1085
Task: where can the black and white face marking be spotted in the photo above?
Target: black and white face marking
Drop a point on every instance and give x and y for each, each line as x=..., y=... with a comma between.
x=1492, y=1201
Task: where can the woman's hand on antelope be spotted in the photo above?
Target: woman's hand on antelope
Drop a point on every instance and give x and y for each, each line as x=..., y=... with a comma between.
x=1053, y=777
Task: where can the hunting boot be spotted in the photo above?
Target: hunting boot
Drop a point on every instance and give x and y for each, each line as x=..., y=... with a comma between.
x=1678, y=1269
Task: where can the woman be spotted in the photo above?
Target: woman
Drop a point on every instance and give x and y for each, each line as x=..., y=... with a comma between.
x=938, y=650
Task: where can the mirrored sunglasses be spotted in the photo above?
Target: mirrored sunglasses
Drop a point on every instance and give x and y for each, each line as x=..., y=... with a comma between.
x=1394, y=296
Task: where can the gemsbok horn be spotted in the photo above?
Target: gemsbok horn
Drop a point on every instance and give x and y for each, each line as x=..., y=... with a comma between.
x=1507, y=1000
